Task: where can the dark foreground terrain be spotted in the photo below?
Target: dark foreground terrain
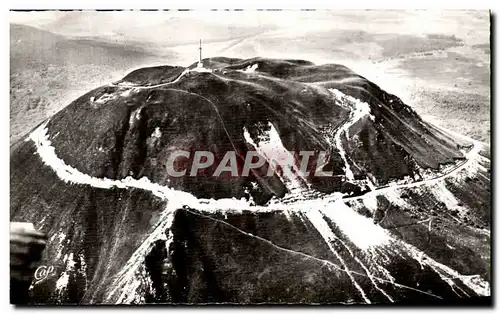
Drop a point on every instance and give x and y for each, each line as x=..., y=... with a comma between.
x=405, y=216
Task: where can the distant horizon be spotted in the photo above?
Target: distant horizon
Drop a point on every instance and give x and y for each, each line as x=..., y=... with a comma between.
x=104, y=23
x=349, y=37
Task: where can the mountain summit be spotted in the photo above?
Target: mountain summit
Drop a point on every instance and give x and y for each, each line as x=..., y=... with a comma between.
x=400, y=214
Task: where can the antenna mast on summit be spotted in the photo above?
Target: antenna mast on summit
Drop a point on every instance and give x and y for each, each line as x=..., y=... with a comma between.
x=200, y=52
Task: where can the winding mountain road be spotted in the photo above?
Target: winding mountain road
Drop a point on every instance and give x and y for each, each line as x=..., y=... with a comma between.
x=69, y=174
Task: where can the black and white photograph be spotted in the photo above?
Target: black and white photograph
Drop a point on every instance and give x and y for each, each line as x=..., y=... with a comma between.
x=250, y=157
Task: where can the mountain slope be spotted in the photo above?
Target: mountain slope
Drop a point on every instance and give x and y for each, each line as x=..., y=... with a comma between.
x=403, y=217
